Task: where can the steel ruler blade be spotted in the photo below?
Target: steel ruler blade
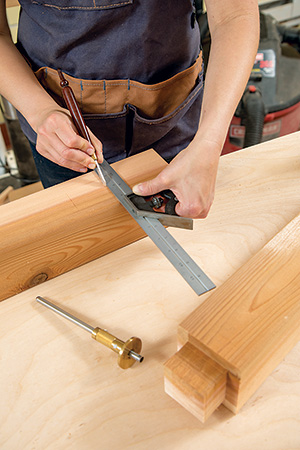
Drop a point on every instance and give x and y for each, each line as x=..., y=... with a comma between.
x=177, y=256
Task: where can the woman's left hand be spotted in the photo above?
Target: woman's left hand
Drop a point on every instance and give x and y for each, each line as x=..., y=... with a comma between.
x=191, y=176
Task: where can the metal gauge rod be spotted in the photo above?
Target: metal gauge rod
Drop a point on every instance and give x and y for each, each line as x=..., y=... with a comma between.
x=65, y=314
x=128, y=351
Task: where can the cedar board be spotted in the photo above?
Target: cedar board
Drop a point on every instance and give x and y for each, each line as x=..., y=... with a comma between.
x=55, y=230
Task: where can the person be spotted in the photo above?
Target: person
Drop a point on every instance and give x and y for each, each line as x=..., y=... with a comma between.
x=136, y=69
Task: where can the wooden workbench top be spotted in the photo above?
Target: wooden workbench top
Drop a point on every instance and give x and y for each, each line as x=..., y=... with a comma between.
x=60, y=389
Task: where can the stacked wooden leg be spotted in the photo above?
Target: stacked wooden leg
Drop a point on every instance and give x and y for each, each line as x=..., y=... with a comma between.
x=238, y=336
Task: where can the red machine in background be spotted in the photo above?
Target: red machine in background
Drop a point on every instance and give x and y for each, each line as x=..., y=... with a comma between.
x=270, y=106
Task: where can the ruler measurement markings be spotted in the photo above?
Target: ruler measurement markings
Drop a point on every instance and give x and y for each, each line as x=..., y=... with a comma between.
x=178, y=257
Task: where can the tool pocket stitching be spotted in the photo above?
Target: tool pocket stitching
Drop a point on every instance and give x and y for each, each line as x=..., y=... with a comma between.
x=85, y=8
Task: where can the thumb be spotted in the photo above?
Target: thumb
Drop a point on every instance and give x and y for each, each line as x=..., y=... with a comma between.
x=149, y=187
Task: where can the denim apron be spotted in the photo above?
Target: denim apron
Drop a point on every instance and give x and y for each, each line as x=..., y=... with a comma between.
x=135, y=67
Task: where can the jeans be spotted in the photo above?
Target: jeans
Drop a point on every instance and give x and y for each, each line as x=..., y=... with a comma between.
x=49, y=172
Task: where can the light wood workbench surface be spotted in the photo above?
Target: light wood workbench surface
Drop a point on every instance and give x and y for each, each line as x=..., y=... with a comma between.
x=60, y=389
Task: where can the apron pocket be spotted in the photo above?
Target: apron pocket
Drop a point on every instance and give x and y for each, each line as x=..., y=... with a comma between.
x=110, y=129
x=171, y=133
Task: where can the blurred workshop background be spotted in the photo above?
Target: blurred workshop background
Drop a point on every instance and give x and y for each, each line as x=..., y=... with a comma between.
x=270, y=106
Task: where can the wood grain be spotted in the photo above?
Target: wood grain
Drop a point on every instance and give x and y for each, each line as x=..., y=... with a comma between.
x=248, y=325
x=61, y=390
x=67, y=225
x=195, y=381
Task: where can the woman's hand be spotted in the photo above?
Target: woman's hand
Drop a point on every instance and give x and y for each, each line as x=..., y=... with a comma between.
x=58, y=141
x=191, y=176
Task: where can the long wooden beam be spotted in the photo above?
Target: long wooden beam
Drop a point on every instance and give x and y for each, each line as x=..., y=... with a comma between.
x=244, y=329
x=53, y=231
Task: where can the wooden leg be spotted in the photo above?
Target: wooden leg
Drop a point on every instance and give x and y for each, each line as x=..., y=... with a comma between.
x=246, y=327
x=197, y=382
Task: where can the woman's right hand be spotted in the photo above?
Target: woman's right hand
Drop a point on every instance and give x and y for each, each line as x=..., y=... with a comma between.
x=58, y=141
